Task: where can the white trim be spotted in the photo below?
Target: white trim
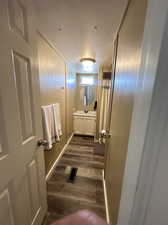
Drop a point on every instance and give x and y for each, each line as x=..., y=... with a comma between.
x=134, y=198
x=152, y=177
x=57, y=160
x=105, y=198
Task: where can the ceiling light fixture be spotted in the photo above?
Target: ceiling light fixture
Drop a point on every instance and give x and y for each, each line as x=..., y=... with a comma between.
x=87, y=63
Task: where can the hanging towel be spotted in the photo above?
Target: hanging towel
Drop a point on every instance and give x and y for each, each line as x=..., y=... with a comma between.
x=48, y=125
x=57, y=121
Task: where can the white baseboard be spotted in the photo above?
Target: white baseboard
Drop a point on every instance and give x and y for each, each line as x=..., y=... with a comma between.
x=57, y=160
x=105, y=198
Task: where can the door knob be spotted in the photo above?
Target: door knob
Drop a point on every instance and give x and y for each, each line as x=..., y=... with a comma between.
x=105, y=134
x=42, y=142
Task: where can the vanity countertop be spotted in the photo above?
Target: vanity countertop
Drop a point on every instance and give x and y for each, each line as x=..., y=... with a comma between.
x=82, y=113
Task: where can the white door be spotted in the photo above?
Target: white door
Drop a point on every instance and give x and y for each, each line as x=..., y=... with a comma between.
x=22, y=183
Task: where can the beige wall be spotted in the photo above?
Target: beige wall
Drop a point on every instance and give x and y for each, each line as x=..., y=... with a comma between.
x=127, y=68
x=52, y=72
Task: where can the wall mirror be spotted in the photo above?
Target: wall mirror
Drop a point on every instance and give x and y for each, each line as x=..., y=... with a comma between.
x=86, y=92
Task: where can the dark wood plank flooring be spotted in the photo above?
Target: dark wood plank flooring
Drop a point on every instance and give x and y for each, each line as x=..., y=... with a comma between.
x=86, y=192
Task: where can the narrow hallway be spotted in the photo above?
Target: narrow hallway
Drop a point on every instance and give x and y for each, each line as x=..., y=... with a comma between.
x=85, y=191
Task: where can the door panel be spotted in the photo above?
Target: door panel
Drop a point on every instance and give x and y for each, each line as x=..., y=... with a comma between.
x=20, y=193
x=34, y=187
x=18, y=18
x=22, y=178
x=22, y=76
x=126, y=75
x=6, y=214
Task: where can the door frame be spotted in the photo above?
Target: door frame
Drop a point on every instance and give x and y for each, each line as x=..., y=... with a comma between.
x=138, y=178
x=112, y=86
x=108, y=120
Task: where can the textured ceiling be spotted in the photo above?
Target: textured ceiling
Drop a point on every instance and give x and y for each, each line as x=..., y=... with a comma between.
x=81, y=28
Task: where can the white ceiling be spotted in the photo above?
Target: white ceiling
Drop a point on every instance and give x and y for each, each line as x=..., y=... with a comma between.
x=70, y=26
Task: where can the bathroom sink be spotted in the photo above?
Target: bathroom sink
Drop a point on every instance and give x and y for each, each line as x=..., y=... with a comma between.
x=92, y=112
x=82, y=113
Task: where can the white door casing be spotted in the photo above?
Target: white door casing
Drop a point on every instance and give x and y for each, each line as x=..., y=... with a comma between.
x=141, y=157
x=22, y=178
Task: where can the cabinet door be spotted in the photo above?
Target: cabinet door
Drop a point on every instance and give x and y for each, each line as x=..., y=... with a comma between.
x=84, y=125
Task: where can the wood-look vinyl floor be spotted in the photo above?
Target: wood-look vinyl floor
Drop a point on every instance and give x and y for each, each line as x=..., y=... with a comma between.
x=86, y=192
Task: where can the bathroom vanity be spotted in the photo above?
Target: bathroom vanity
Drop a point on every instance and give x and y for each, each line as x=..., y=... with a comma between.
x=84, y=123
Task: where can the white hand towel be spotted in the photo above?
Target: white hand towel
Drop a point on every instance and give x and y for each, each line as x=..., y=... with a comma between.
x=48, y=125
x=57, y=121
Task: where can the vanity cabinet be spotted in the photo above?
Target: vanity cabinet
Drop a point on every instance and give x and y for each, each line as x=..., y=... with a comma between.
x=84, y=123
